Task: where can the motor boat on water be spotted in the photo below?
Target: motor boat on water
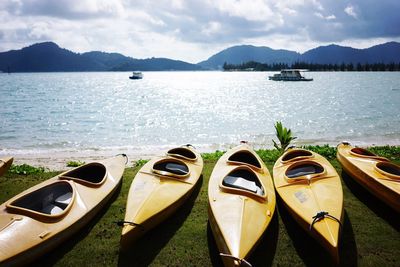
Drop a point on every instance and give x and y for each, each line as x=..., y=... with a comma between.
x=136, y=75
x=290, y=75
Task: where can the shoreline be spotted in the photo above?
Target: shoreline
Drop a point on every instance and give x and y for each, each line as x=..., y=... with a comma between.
x=56, y=160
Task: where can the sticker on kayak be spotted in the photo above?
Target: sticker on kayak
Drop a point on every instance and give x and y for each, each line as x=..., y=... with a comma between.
x=140, y=185
x=301, y=196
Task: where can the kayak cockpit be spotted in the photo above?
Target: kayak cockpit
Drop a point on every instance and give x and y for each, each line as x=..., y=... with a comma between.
x=304, y=170
x=296, y=154
x=364, y=153
x=50, y=201
x=245, y=157
x=388, y=169
x=171, y=167
x=91, y=174
x=183, y=153
x=243, y=180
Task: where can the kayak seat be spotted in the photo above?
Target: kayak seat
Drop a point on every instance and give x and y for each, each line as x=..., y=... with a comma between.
x=56, y=202
x=304, y=169
x=173, y=167
x=52, y=209
x=176, y=168
x=245, y=180
x=54, y=206
x=63, y=200
x=50, y=200
x=182, y=152
x=244, y=157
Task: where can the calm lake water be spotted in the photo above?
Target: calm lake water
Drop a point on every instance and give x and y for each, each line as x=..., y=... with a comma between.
x=105, y=111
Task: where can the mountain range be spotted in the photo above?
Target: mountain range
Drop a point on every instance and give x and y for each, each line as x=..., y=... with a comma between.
x=49, y=57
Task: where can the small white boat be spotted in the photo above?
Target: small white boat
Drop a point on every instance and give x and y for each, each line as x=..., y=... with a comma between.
x=136, y=75
x=290, y=75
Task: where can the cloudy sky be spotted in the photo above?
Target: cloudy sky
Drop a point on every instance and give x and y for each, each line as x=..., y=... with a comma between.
x=193, y=30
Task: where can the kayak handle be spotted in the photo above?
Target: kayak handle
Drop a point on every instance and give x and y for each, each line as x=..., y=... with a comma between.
x=124, y=155
x=242, y=262
x=122, y=223
x=190, y=145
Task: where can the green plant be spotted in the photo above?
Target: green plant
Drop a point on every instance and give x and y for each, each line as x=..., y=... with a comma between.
x=390, y=152
x=326, y=151
x=284, y=136
x=75, y=163
x=268, y=155
x=26, y=169
x=140, y=162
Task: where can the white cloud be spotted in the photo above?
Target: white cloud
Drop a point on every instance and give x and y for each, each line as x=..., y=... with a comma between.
x=211, y=28
x=40, y=30
x=192, y=30
x=330, y=17
x=256, y=10
x=350, y=10
x=178, y=4
x=317, y=4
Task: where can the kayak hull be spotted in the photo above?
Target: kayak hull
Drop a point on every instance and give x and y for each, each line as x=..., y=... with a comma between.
x=153, y=197
x=308, y=194
x=238, y=218
x=27, y=234
x=363, y=170
x=5, y=164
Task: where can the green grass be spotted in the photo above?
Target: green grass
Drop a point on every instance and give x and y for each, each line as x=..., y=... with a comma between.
x=73, y=163
x=370, y=232
x=26, y=169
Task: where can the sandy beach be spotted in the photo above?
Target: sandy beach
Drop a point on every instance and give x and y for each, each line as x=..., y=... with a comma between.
x=57, y=160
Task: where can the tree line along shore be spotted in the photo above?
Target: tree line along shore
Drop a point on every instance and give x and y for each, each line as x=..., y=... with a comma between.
x=257, y=66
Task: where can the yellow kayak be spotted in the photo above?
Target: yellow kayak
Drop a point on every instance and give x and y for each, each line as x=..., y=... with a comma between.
x=311, y=189
x=377, y=174
x=5, y=164
x=40, y=218
x=159, y=188
x=241, y=199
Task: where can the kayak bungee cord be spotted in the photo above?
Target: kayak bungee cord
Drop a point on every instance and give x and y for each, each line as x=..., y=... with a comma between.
x=122, y=223
x=321, y=215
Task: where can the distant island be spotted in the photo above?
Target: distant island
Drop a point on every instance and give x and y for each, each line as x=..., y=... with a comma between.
x=49, y=57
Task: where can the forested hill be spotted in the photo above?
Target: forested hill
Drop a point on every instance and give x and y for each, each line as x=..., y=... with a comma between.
x=49, y=57
x=332, y=54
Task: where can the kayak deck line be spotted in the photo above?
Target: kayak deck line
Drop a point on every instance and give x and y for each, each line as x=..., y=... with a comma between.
x=166, y=177
x=180, y=158
x=306, y=181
